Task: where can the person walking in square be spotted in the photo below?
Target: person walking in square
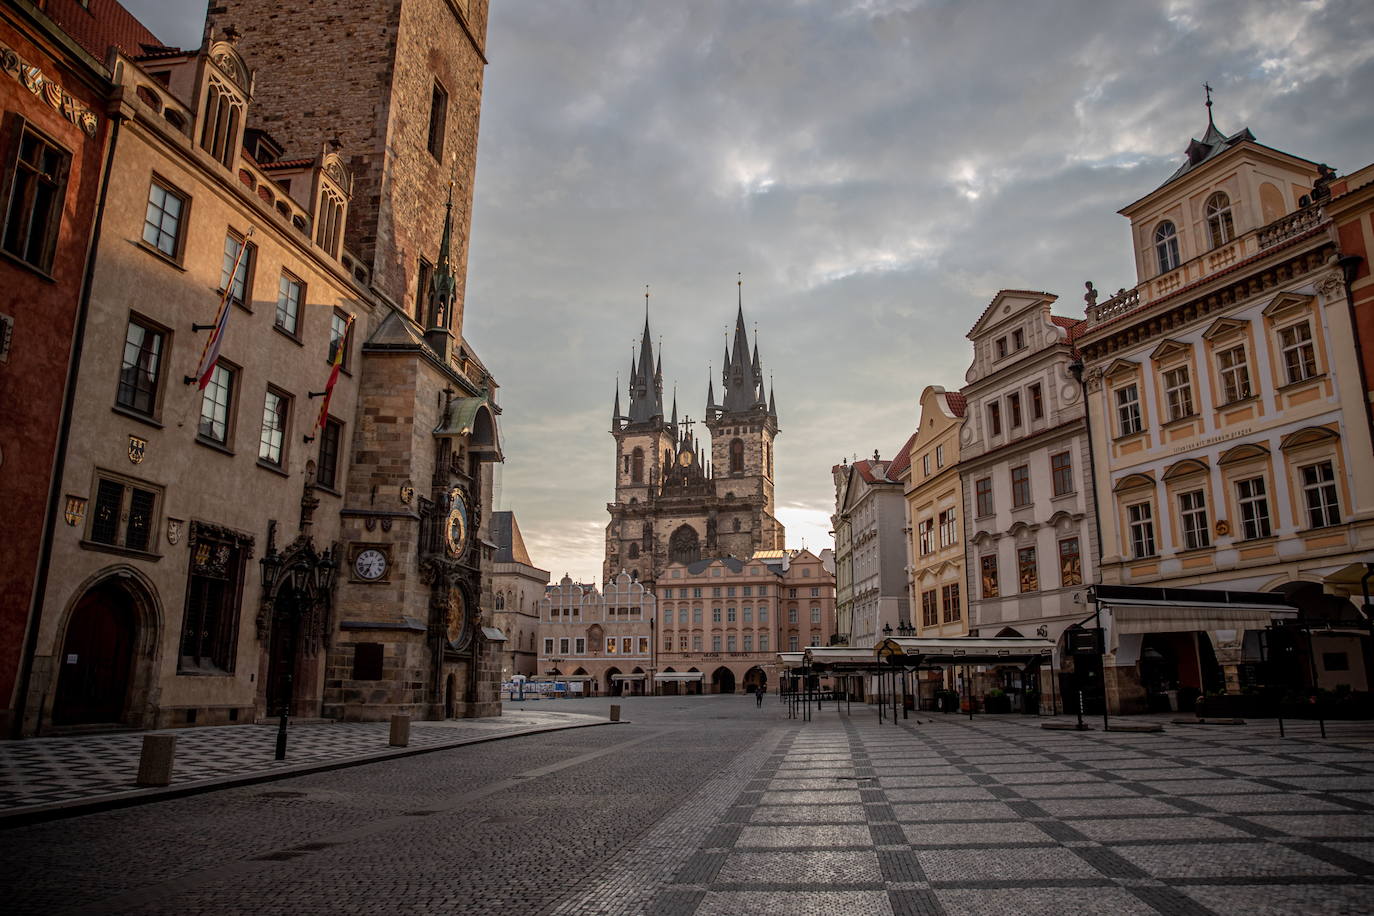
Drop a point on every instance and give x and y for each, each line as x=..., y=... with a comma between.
x=758, y=695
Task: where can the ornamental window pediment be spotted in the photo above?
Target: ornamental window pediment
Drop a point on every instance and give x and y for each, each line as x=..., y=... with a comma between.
x=1134, y=482
x=1224, y=328
x=228, y=61
x=1307, y=436
x=1284, y=303
x=1121, y=367
x=1185, y=468
x=1246, y=452
x=1170, y=349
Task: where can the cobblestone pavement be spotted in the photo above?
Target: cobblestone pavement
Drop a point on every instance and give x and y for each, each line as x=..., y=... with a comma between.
x=706, y=805
x=42, y=772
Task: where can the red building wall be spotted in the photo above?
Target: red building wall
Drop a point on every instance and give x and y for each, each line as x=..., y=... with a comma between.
x=69, y=108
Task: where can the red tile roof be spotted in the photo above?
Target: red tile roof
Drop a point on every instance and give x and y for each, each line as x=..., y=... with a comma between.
x=902, y=461
x=287, y=164
x=957, y=402
x=1075, y=326
x=101, y=23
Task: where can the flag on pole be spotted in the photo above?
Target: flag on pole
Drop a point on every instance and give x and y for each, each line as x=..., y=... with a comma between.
x=333, y=376
x=210, y=355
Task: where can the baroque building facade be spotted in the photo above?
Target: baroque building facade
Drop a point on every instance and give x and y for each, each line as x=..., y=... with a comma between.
x=675, y=502
x=871, y=503
x=929, y=471
x=723, y=621
x=1229, y=422
x=602, y=639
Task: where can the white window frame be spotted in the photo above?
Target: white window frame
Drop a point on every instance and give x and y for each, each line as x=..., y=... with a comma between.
x=1140, y=525
x=1128, y=414
x=1192, y=513
x=1178, y=392
x=1302, y=347
x=1233, y=365
x=1252, y=499
x=1321, y=498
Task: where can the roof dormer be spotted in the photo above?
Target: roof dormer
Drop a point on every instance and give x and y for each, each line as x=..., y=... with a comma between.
x=226, y=85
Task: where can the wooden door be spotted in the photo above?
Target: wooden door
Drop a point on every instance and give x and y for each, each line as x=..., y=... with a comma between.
x=96, y=660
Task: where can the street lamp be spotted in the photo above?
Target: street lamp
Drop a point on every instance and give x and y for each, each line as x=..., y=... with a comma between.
x=887, y=630
x=905, y=628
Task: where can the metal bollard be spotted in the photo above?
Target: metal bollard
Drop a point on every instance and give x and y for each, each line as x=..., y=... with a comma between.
x=615, y=712
x=400, y=731
x=155, y=763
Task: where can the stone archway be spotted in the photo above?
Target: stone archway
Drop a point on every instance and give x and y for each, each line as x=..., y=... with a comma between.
x=722, y=680
x=755, y=678
x=99, y=680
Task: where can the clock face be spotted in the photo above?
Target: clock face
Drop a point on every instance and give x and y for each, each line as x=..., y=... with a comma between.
x=685, y=458
x=370, y=564
x=456, y=525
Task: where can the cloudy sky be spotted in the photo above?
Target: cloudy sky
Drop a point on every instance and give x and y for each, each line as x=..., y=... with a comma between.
x=876, y=170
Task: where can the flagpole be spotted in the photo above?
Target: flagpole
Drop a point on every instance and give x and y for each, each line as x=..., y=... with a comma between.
x=221, y=320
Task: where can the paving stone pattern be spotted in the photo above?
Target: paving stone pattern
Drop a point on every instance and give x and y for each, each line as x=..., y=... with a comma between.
x=44, y=771
x=998, y=816
x=707, y=805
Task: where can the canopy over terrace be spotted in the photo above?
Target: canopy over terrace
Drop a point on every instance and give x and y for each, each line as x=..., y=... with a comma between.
x=968, y=650
x=678, y=676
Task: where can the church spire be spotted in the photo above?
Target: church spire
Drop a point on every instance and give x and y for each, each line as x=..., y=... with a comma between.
x=646, y=378
x=615, y=411
x=742, y=375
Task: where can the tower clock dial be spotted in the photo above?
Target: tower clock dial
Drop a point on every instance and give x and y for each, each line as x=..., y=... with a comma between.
x=456, y=524
x=370, y=564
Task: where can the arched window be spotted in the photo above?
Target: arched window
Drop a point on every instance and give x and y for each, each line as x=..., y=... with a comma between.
x=1166, y=246
x=637, y=466
x=221, y=119
x=1219, y=224
x=684, y=546
x=667, y=458
x=736, y=456
x=500, y=602
x=634, y=551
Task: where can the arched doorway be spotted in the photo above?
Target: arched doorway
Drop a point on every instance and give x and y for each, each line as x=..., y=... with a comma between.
x=612, y=685
x=755, y=678
x=282, y=652
x=694, y=687
x=96, y=665
x=722, y=680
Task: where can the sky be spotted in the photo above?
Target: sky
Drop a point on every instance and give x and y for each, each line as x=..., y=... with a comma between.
x=875, y=170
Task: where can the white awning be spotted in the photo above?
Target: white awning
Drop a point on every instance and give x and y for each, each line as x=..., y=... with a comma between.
x=791, y=659
x=839, y=655
x=1139, y=617
x=678, y=676
x=981, y=650
x=627, y=677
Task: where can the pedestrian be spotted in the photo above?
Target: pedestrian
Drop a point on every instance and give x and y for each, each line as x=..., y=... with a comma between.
x=758, y=695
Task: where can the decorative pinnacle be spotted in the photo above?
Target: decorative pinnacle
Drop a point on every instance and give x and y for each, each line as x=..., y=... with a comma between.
x=1208, y=89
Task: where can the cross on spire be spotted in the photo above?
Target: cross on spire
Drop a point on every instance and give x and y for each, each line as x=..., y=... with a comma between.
x=1208, y=90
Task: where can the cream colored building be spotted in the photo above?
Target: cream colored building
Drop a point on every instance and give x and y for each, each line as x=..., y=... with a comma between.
x=930, y=474
x=517, y=587
x=726, y=620
x=872, y=503
x=172, y=492
x=1225, y=406
x=603, y=640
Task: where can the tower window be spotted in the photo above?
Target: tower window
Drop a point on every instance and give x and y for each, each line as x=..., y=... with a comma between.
x=1219, y=224
x=438, y=118
x=637, y=466
x=736, y=456
x=220, y=123
x=1166, y=246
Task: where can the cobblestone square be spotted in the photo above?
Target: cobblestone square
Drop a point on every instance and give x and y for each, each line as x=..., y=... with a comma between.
x=707, y=805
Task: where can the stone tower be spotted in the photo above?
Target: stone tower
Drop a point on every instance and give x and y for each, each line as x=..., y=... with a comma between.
x=397, y=85
x=674, y=500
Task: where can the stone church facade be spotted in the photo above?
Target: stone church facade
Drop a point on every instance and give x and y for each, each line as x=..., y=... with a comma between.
x=675, y=501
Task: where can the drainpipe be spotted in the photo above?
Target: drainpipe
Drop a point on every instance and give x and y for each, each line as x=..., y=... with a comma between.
x=40, y=583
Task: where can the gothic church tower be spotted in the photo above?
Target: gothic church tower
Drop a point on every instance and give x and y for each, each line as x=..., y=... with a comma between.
x=676, y=501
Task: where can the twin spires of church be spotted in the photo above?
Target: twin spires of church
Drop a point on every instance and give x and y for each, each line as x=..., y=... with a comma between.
x=741, y=380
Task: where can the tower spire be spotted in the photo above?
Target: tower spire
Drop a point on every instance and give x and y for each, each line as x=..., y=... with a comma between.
x=615, y=411
x=1208, y=89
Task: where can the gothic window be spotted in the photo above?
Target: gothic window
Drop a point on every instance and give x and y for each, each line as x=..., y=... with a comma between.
x=1166, y=246
x=209, y=633
x=500, y=602
x=736, y=456
x=221, y=122
x=736, y=524
x=684, y=546
x=1219, y=225
x=634, y=551
x=637, y=466
x=329, y=222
